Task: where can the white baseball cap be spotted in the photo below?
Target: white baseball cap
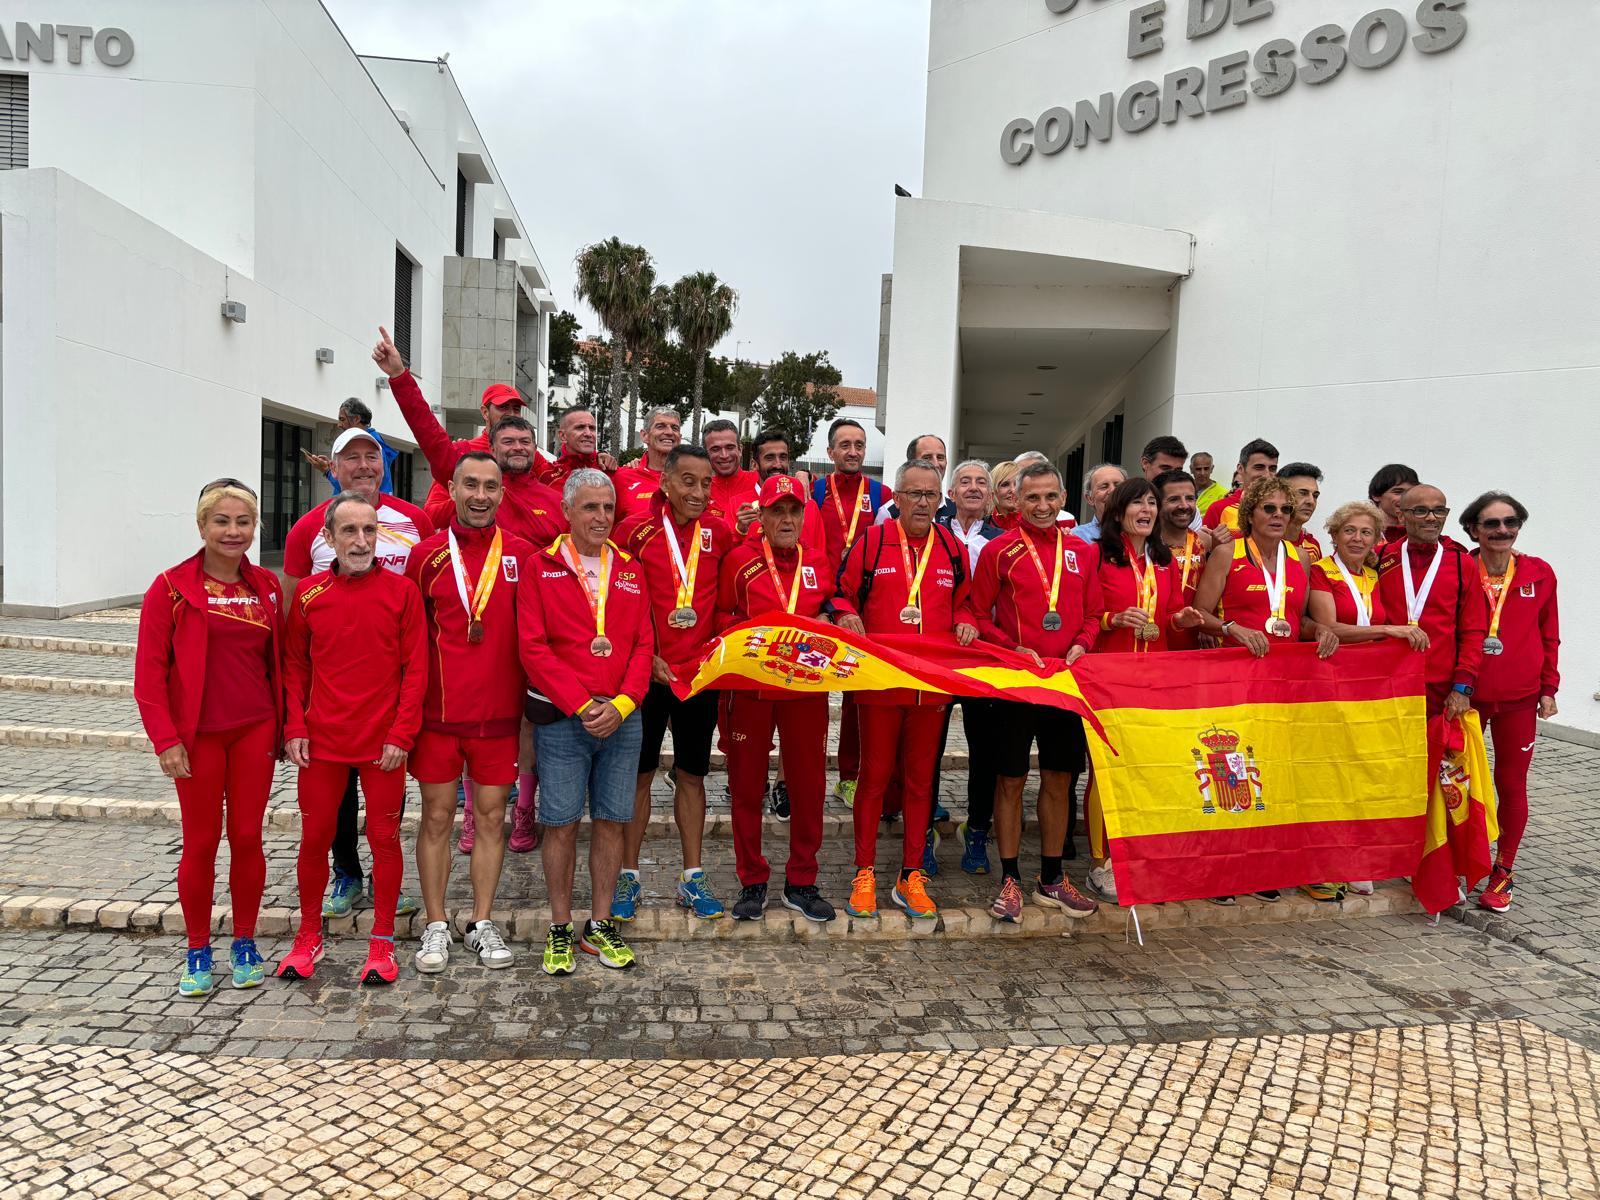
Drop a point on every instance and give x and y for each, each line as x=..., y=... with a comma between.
x=350, y=435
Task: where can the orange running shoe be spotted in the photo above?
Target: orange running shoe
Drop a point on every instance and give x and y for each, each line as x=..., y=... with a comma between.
x=911, y=894
x=863, y=900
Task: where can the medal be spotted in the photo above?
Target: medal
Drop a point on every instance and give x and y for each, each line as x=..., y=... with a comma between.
x=684, y=575
x=596, y=596
x=1417, y=601
x=483, y=589
x=1052, y=618
x=1278, y=627
x=777, y=584
x=1277, y=584
x=1145, y=588
x=911, y=614
x=1148, y=632
x=1497, y=590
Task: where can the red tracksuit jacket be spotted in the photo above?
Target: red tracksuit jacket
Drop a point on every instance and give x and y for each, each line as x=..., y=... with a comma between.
x=728, y=494
x=854, y=491
x=636, y=486
x=643, y=536
x=553, y=472
x=1531, y=630
x=874, y=566
x=748, y=591
x=1119, y=589
x=1010, y=599
x=475, y=689
x=556, y=628
x=355, y=664
x=169, y=666
x=1455, y=617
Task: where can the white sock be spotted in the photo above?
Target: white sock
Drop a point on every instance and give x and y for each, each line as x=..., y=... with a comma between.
x=630, y=872
x=692, y=873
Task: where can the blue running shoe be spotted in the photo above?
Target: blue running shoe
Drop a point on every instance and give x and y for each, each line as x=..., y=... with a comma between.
x=346, y=891
x=940, y=812
x=930, y=862
x=405, y=905
x=248, y=969
x=695, y=895
x=626, y=899
x=975, y=850
x=197, y=979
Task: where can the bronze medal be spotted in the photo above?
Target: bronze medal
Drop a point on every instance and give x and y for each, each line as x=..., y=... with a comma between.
x=1278, y=627
x=600, y=647
x=911, y=614
x=683, y=617
x=474, y=630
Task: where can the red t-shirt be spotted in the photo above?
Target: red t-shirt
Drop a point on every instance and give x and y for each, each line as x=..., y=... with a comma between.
x=1244, y=596
x=238, y=645
x=1327, y=575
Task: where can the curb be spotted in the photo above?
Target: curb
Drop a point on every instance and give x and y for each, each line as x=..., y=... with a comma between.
x=120, y=689
x=528, y=925
x=65, y=645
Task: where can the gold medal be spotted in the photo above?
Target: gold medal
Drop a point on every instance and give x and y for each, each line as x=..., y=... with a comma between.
x=1148, y=632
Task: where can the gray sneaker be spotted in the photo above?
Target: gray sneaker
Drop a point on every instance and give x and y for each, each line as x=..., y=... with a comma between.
x=434, y=954
x=484, y=938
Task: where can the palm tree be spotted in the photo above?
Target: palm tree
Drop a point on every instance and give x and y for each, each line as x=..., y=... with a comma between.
x=614, y=279
x=647, y=330
x=702, y=313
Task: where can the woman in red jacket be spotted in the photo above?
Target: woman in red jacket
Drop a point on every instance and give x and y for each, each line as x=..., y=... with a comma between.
x=207, y=681
x=1520, y=674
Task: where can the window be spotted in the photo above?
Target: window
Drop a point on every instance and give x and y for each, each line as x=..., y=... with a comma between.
x=13, y=122
x=285, y=480
x=1072, y=477
x=400, y=475
x=404, y=269
x=1111, y=440
x=462, y=192
x=499, y=245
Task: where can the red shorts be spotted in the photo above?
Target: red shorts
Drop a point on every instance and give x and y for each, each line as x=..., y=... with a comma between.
x=439, y=758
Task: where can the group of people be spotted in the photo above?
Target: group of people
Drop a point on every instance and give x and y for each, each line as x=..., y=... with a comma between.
x=515, y=639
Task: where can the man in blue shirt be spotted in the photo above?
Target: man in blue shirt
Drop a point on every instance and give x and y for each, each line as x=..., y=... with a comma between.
x=353, y=414
x=1097, y=488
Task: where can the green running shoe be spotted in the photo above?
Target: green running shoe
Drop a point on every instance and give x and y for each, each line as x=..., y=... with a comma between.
x=248, y=969
x=558, y=958
x=604, y=940
x=197, y=979
x=346, y=891
x=845, y=790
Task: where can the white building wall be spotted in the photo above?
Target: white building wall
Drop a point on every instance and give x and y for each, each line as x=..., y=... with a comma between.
x=1397, y=264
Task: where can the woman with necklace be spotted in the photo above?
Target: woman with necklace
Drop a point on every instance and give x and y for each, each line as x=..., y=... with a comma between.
x=1520, y=675
x=208, y=681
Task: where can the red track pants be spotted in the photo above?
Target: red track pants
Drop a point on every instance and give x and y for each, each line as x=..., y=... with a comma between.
x=803, y=727
x=230, y=776
x=849, y=737
x=900, y=741
x=1513, y=728
x=321, y=790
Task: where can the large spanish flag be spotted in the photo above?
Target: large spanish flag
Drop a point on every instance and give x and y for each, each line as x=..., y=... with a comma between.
x=804, y=656
x=1235, y=774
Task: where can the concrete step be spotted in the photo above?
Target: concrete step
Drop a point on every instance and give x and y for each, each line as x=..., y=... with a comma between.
x=70, y=666
x=56, y=643
x=118, y=689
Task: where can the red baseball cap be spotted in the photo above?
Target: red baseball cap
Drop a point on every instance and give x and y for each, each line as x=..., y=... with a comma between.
x=781, y=487
x=500, y=395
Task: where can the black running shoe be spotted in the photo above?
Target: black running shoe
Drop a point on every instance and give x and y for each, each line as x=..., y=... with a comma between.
x=778, y=800
x=808, y=902
x=751, y=904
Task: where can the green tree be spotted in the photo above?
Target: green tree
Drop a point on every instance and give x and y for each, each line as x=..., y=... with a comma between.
x=563, y=343
x=799, y=393
x=743, y=385
x=615, y=279
x=668, y=378
x=702, y=314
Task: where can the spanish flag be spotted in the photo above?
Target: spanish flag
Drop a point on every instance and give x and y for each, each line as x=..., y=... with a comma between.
x=1236, y=774
x=1463, y=816
x=806, y=656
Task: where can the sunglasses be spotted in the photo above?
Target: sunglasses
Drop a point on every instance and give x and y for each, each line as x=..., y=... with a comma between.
x=1278, y=510
x=229, y=481
x=1506, y=523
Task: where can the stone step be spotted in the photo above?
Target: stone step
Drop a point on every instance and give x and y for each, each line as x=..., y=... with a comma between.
x=70, y=666
x=61, y=644
x=119, y=689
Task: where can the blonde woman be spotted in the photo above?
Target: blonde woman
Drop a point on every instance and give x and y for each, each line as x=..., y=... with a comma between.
x=1344, y=584
x=1006, y=511
x=207, y=679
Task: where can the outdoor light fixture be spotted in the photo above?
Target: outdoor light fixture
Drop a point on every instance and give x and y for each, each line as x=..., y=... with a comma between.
x=324, y=354
x=233, y=310
x=383, y=383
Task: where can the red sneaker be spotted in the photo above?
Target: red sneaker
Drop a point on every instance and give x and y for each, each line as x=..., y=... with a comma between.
x=302, y=958
x=1496, y=895
x=380, y=966
x=524, y=825
x=469, y=831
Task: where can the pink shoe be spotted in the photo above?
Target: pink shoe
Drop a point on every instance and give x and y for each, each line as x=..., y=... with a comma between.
x=380, y=966
x=525, y=825
x=302, y=958
x=468, y=831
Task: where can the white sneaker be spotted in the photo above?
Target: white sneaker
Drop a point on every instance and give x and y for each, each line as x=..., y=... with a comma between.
x=1103, y=883
x=1360, y=887
x=435, y=951
x=491, y=948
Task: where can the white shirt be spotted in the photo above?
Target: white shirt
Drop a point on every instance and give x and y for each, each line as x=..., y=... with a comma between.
x=397, y=534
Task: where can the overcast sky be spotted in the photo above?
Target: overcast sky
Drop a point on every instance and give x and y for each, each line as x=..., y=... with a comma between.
x=760, y=139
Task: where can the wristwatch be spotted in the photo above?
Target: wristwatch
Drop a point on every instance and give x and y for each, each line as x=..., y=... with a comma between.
x=1464, y=688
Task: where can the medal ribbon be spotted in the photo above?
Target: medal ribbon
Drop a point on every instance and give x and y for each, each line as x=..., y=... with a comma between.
x=1277, y=586
x=1497, y=596
x=597, y=594
x=1054, y=585
x=487, y=577
x=838, y=507
x=777, y=584
x=1360, y=593
x=1144, y=584
x=683, y=577
x=1415, y=601
x=1188, y=558
x=915, y=584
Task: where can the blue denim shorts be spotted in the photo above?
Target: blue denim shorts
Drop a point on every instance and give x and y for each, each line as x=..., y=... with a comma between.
x=574, y=765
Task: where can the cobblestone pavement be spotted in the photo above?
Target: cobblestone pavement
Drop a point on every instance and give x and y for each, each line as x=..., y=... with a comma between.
x=1380, y=1056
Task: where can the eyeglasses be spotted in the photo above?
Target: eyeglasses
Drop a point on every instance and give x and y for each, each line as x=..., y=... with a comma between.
x=1421, y=513
x=228, y=481
x=1277, y=510
x=1509, y=524
x=924, y=497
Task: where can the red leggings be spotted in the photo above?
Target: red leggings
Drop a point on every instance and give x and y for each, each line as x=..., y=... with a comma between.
x=802, y=725
x=849, y=738
x=1513, y=730
x=230, y=776
x=321, y=790
x=899, y=741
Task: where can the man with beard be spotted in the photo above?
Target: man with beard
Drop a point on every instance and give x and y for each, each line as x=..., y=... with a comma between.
x=1176, y=492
